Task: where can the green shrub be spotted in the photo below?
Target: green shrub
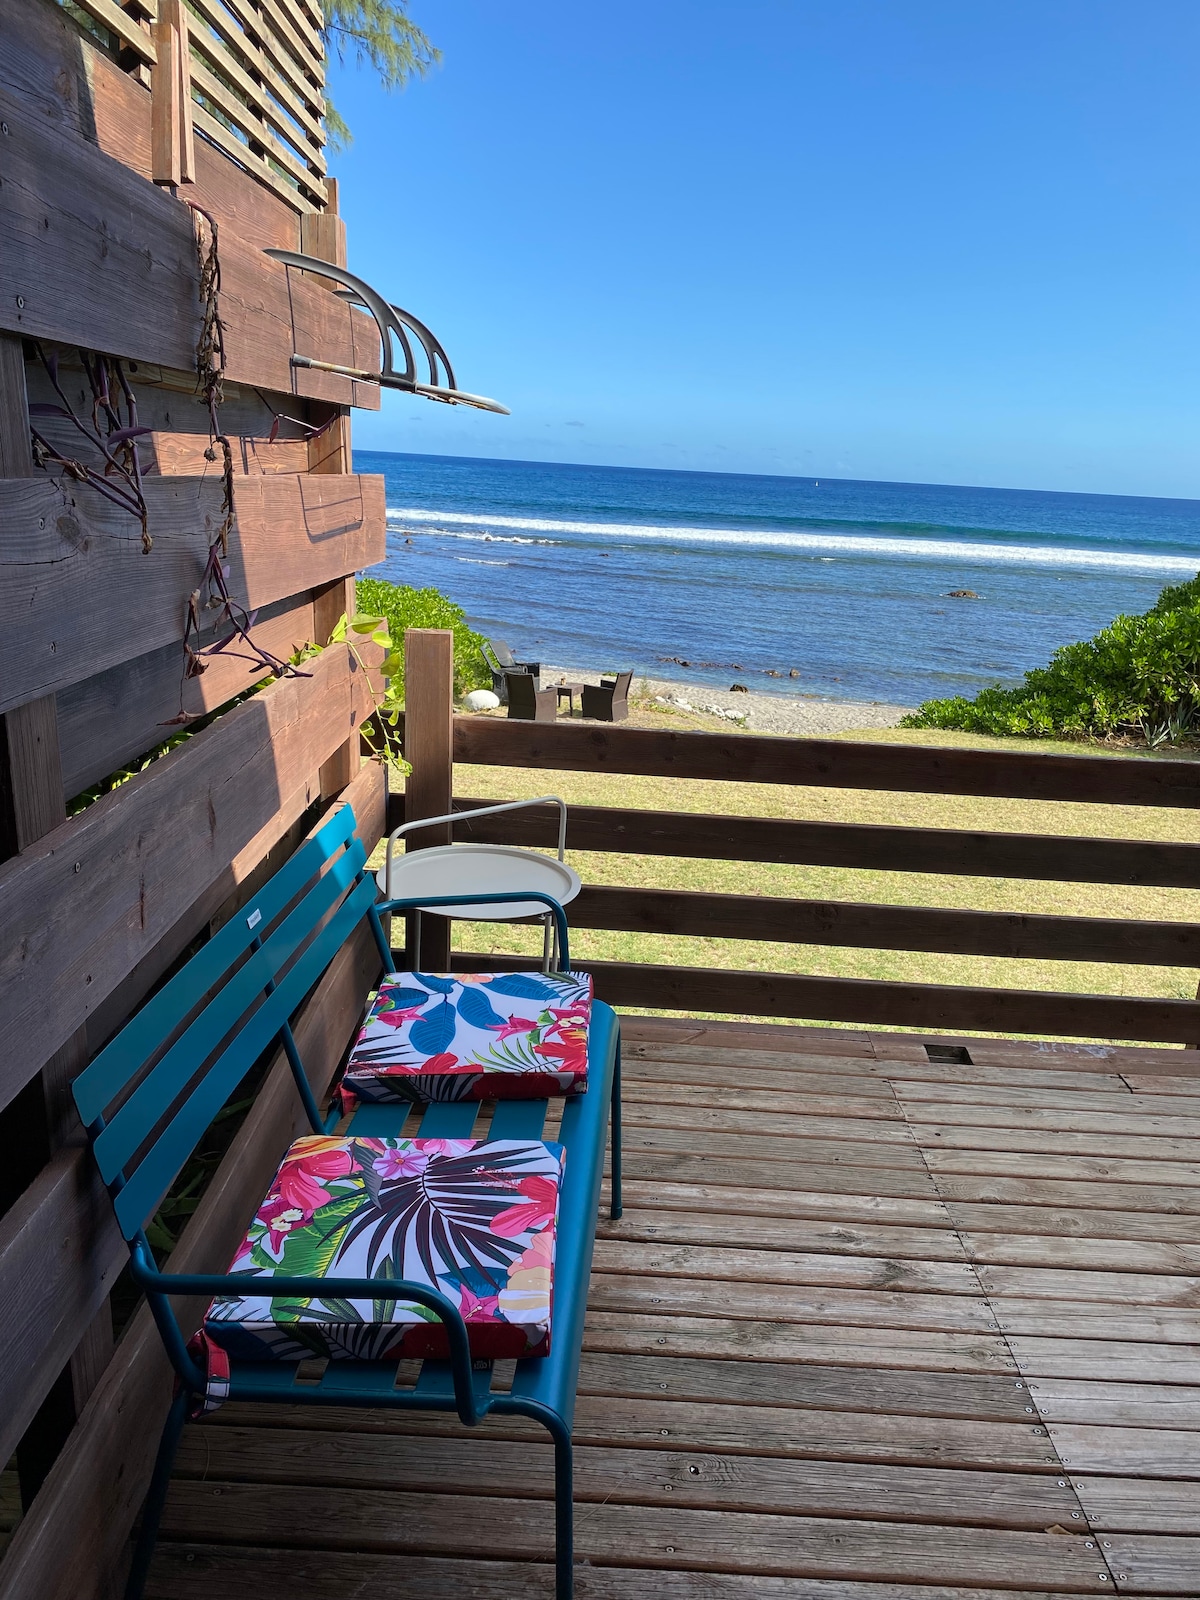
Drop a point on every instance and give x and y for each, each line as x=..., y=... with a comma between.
x=426, y=608
x=1139, y=675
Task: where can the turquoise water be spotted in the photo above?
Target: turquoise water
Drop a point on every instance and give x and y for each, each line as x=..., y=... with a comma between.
x=737, y=575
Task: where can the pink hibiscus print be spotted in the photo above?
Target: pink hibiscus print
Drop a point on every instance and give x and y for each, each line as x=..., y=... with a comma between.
x=397, y=1016
x=514, y=1025
x=473, y=1308
x=300, y=1185
x=447, y=1147
x=534, y=1211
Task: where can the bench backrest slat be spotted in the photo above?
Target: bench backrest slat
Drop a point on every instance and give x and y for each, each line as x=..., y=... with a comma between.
x=155, y=1173
x=124, y=1057
x=153, y=1097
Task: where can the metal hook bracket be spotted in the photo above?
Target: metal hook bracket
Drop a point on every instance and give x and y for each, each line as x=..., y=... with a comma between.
x=390, y=321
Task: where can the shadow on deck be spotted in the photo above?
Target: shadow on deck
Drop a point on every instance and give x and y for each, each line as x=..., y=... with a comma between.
x=875, y=1326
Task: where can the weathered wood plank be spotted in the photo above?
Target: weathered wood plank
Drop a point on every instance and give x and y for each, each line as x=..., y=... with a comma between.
x=730, y=1266
x=655, y=1162
x=1177, y=1175
x=193, y=1571
x=1118, y=1405
x=918, y=1005
x=113, y=717
x=1139, y=1505
x=777, y=1147
x=706, y=1336
x=887, y=1134
x=73, y=562
x=1111, y=1143
x=886, y=927
x=99, y=1480
x=71, y=214
x=730, y=1200
x=1071, y=1221
x=646, y=1095
x=1128, y=1359
x=948, y=851
x=828, y=763
x=836, y=1237
x=703, y=1540
x=1047, y=1193
x=81, y=907
x=1026, y=1317
x=1072, y=1112
x=1143, y=1288
x=870, y=1308
x=796, y=1072
x=717, y=1481
x=1160, y=1565
x=1102, y=1255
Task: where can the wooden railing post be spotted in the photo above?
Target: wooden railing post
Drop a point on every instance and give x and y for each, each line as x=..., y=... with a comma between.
x=429, y=747
x=41, y=1120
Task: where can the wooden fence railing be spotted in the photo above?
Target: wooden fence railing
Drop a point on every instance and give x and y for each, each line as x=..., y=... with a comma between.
x=98, y=906
x=834, y=764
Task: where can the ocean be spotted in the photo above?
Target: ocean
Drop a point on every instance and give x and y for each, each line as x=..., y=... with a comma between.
x=714, y=578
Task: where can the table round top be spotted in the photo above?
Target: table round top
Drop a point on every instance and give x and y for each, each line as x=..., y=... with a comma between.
x=479, y=869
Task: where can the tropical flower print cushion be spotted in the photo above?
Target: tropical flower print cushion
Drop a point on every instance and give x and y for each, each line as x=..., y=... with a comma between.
x=491, y=1036
x=473, y=1218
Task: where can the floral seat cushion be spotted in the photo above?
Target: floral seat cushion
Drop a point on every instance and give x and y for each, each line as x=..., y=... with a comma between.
x=473, y=1218
x=491, y=1036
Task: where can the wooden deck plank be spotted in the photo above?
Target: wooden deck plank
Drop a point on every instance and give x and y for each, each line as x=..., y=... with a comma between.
x=733, y=1199
x=639, y=1535
x=193, y=1571
x=1132, y=1118
x=1125, y=1405
x=777, y=1266
x=783, y=1432
x=1176, y=1175
x=1152, y=1083
x=1159, y=1564
x=808, y=1147
x=1109, y=1360
x=1081, y=1319
x=703, y=1479
x=792, y=1233
x=986, y=1190
x=672, y=1158
x=1139, y=1505
x=1114, y=1143
x=846, y=1308
x=1094, y=1447
x=1121, y=1288
x=789, y=1119
x=924, y=1349
x=1050, y=1250
x=998, y=1097
x=1072, y=1221
x=844, y=1099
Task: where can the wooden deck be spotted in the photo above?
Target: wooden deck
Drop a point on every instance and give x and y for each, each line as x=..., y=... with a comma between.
x=874, y=1327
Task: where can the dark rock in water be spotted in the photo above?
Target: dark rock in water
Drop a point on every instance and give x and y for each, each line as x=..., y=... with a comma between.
x=737, y=666
x=738, y=688
x=962, y=594
x=771, y=673
x=794, y=673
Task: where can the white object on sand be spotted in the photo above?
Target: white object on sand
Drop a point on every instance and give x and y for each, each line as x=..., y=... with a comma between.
x=481, y=700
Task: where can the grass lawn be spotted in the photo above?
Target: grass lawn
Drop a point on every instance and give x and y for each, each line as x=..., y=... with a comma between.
x=849, y=884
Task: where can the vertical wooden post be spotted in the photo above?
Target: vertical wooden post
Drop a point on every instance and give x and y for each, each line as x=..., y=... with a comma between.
x=172, y=145
x=42, y=1119
x=323, y=234
x=429, y=748
x=330, y=604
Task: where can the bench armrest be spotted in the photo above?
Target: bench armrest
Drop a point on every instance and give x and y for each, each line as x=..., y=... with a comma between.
x=278, y=1288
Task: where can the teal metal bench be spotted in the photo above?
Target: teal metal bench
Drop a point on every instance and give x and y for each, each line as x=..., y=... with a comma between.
x=150, y=1095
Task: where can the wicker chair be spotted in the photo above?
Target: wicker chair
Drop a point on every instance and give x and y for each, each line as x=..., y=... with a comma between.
x=609, y=702
x=526, y=701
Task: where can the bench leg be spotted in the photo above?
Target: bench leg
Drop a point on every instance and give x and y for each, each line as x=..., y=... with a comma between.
x=564, y=1516
x=616, y=1206
x=156, y=1496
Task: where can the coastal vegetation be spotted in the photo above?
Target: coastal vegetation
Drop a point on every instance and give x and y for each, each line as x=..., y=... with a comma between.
x=853, y=884
x=1138, y=677
x=404, y=607
x=379, y=34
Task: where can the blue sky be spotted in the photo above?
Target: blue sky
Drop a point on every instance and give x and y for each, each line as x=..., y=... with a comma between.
x=918, y=240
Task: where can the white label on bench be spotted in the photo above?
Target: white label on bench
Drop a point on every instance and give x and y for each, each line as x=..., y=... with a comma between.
x=253, y=920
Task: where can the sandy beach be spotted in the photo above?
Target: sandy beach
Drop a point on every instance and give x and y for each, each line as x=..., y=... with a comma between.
x=757, y=712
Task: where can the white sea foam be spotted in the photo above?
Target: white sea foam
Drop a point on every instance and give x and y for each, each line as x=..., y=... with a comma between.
x=803, y=541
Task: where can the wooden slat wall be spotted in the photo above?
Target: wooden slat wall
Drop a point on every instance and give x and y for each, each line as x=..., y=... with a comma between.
x=100, y=905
